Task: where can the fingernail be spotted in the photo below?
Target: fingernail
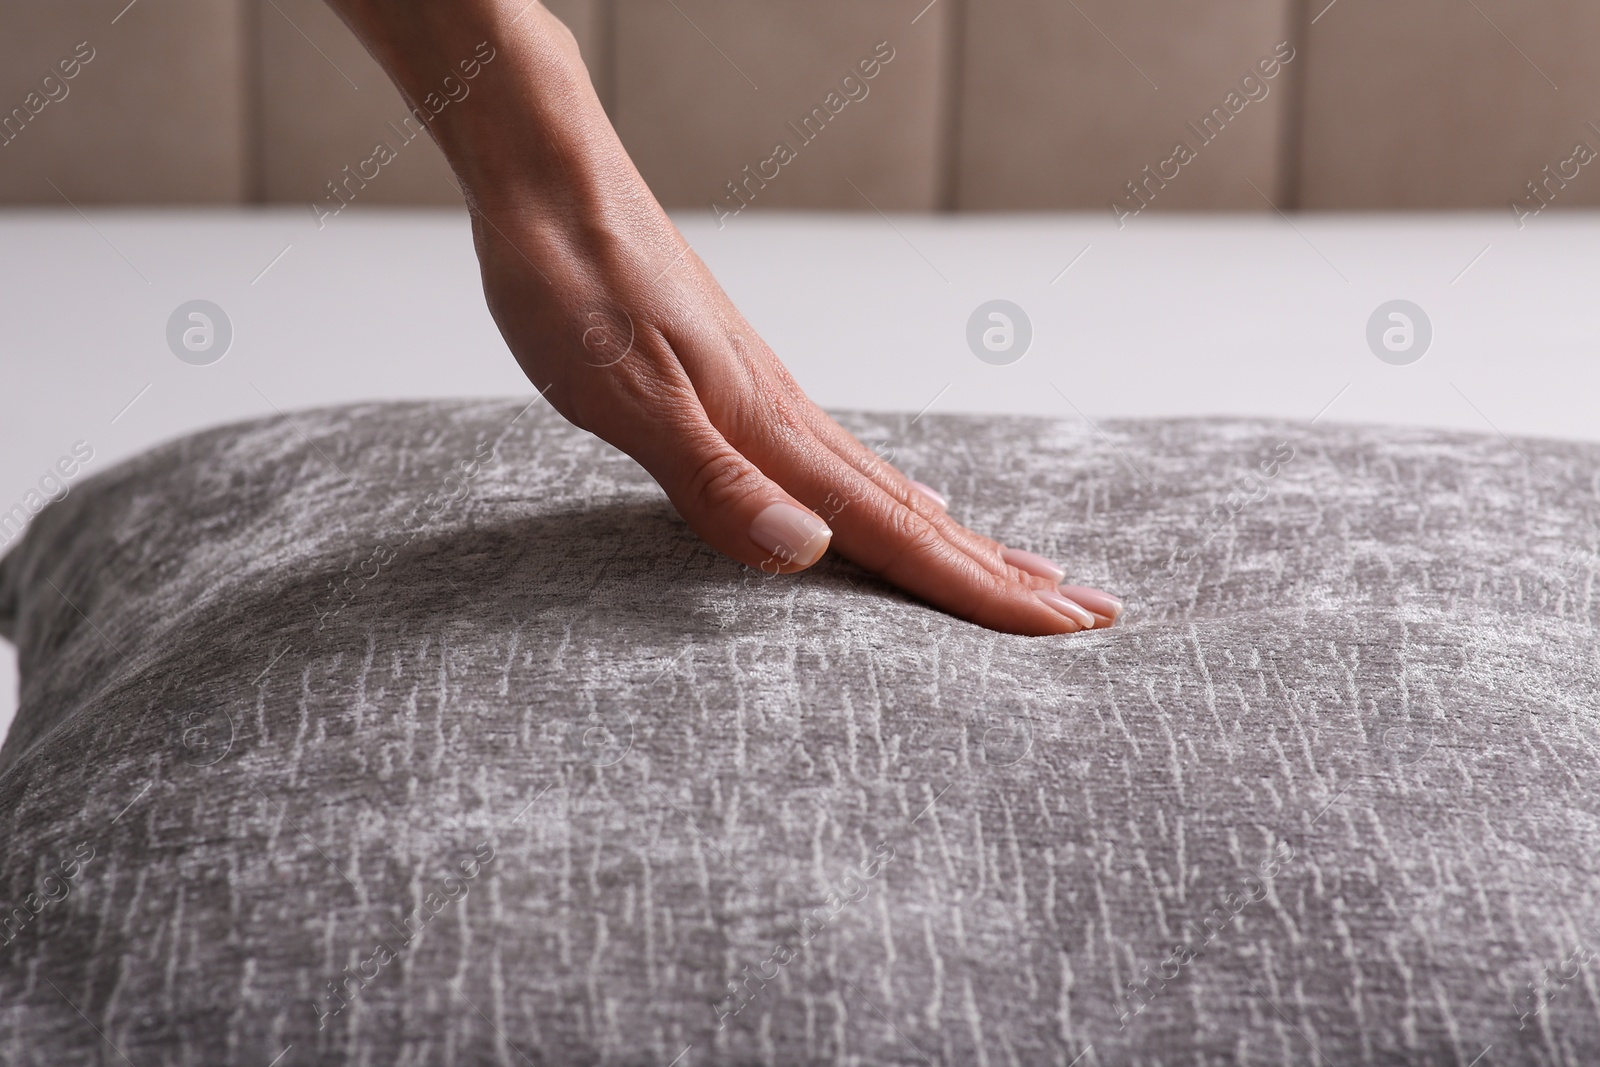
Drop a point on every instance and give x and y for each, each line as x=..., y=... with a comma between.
x=1096, y=600
x=932, y=494
x=1033, y=564
x=1066, y=607
x=791, y=534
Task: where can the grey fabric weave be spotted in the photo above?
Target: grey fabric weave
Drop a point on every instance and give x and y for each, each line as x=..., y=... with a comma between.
x=442, y=707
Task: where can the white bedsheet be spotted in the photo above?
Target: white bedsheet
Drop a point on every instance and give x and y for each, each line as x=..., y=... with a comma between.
x=1167, y=316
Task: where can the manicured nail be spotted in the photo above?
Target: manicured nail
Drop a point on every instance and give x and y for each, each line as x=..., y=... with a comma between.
x=1063, y=606
x=791, y=534
x=932, y=494
x=1033, y=564
x=1097, y=601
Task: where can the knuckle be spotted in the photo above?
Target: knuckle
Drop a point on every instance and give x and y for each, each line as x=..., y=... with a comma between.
x=911, y=536
x=720, y=478
x=785, y=419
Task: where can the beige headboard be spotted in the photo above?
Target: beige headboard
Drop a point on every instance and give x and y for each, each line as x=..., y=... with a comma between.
x=970, y=104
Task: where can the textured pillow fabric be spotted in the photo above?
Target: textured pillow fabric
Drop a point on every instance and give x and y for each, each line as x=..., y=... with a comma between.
x=428, y=734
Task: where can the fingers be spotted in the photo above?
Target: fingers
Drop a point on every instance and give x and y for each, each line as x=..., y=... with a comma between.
x=1090, y=607
x=738, y=508
x=914, y=495
x=1105, y=607
x=1100, y=605
x=906, y=546
x=725, y=498
x=916, y=553
x=879, y=520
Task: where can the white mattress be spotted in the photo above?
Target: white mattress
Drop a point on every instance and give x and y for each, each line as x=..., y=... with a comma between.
x=1167, y=316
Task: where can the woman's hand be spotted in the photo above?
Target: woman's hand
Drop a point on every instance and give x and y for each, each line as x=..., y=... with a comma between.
x=620, y=324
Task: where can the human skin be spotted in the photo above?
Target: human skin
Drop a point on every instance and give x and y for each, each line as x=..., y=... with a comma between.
x=622, y=327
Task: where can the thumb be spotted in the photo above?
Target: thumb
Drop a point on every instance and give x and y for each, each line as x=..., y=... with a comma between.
x=731, y=504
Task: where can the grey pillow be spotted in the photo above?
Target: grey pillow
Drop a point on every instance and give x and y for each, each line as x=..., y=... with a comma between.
x=428, y=734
